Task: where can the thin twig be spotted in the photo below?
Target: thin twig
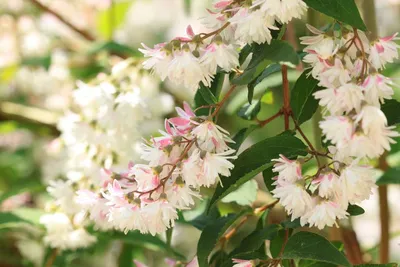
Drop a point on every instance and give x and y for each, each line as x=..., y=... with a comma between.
x=286, y=96
x=221, y=103
x=52, y=258
x=265, y=122
x=82, y=32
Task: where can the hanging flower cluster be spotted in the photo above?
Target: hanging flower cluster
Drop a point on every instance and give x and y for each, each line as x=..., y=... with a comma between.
x=191, y=153
x=97, y=134
x=347, y=67
x=196, y=58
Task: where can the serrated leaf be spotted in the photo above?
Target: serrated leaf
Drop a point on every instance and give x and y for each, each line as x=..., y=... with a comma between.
x=391, y=109
x=310, y=246
x=343, y=10
x=355, y=210
x=249, y=111
x=255, y=240
x=211, y=234
x=265, y=54
x=256, y=159
x=302, y=100
x=391, y=176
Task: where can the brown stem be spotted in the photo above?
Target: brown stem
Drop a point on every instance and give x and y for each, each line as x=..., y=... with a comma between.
x=218, y=31
x=82, y=32
x=265, y=122
x=286, y=96
x=52, y=258
x=384, y=215
x=351, y=246
x=265, y=207
x=221, y=103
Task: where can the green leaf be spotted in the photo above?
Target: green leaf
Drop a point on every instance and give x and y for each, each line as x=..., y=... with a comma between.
x=355, y=210
x=143, y=240
x=249, y=111
x=378, y=265
x=126, y=256
x=8, y=219
x=32, y=186
x=207, y=95
x=391, y=176
x=277, y=243
x=265, y=54
x=115, y=48
x=242, y=135
x=391, y=109
x=211, y=234
x=255, y=240
x=343, y=10
x=44, y=62
x=244, y=195
x=268, y=174
x=310, y=263
x=244, y=53
x=302, y=101
x=310, y=246
x=256, y=159
x=215, y=89
x=201, y=221
x=111, y=18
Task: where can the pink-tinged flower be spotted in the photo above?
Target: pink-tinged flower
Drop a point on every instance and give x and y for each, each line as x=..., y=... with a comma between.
x=145, y=177
x=139, y=264
x=222, y=4
x=220, y=54
x=327, y=183
x=313, y=40
x=193, y=263
x=212, y=136
x=216, y=20
x=243, y=263
x=159, y=59
x=383, y=51
x=335, y=76
x=115, y=195
x=160, y=215
x=338, y=129
x=323, y=213
x=289, y=170
x=377, y=88
x=181, y=196
x=184, y=122
x=356, y=45
x=253, y=26
x=192, y=170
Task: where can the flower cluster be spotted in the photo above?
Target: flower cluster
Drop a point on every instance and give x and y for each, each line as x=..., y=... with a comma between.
x=194, y=59
x=97, y=134
x=191, y=153
x=347, y=68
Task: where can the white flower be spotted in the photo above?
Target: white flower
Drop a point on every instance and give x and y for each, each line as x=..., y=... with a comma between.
x=181, y=196
x=383, y=51
x=192, y=170
x=371, y=118
x=61, y=234
x=289, y=170
x=356, y=182
x=216, y=164
x=335, y=76
x=212, y=136
x=356, y=46
x=243, y=263
x=159, y=59
x=253, y=26
x=220, y=54
x=323, y=213
x=283, y=10
x=215, y=21
x=293, y=197
x=327, y=184
x=311, y=41
x=377, y=88
x=360, y=146
x=338, y=129
x=128, y=217
x=351, y=96
x=159, y=215
x=185, y=69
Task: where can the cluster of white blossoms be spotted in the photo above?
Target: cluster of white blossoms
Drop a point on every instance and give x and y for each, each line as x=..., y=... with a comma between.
x=191, y=153
x=196, y=58
x=103, y=129
x=347, y=68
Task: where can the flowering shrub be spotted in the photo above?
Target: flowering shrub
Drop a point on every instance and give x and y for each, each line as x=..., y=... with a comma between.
x=114, y=175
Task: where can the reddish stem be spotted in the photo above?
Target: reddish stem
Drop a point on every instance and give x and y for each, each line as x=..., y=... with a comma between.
x=286, y=96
